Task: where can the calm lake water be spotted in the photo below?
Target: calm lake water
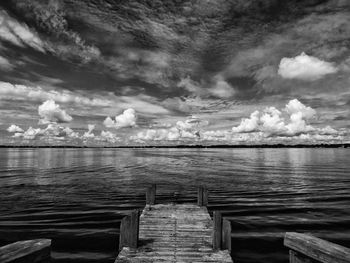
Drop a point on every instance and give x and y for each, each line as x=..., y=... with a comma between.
x=77, y=197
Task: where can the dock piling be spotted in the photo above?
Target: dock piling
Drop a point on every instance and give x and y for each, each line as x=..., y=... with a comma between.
x=217, y=235
x=226, y=235
x=202, y=196
x=151, y=195
x=129, y=230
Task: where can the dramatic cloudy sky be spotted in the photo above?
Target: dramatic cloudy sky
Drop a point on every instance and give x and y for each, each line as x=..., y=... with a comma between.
x=174, y=71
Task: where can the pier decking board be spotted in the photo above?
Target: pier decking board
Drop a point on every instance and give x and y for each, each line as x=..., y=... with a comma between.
x=174, y=233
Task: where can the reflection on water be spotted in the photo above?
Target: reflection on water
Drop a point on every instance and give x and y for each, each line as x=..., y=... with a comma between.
x=77, y=197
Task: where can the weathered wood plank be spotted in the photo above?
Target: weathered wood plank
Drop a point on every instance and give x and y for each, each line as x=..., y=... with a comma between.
x=316, y=248
x=129, y=230
x=151, y=195
x=217, y=232
x=174, y=233
x=226, y=235
x=28, y=251
x=202, y=196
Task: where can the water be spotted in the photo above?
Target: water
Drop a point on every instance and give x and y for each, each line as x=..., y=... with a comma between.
x=77, y=197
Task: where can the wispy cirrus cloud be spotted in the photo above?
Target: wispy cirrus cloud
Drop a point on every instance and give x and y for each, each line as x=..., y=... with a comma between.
x=22, y=92
x=19, y=34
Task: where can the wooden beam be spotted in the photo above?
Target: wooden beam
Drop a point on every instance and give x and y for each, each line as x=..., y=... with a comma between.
x=151, y=195
x=316, y=248
x=202, y=196
x=129, y=230
x=226, y=235
x=28, y=251
x=217, y=231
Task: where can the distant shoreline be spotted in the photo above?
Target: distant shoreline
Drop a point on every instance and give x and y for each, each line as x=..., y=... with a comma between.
x=341, y=145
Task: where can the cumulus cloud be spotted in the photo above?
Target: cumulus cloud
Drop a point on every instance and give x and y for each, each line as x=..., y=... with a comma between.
x=89, y=134
x=19, y=34
x=108, y=136
x=52, y=131
x=248, y=124
x=23, y=92
x=305, y=67
x=14, y=128
x=30, y=134
x=126, y=119
x=296, y=107
x=272, y=122
x=188, y=129
x=49, y=111
x=70, y=133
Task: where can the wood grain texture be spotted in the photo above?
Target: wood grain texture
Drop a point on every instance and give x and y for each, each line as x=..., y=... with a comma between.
x=226, y=235
x=217, y=238
x=151, y=195
x=174, y=233
x=202, y=196
x=316, y=248
x=29, y=251
x=129, y=230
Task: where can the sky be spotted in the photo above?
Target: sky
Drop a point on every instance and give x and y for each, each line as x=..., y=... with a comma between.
x=152, y=72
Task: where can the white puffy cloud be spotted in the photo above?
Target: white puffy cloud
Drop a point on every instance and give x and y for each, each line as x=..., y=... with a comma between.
x=70, y=133
x=19, y=34
x=305, y=67
x=22, y=92
x=49, y=111
x=188, y=129
x=108, y=136
x=248, y=124
x=89, y=134
x=271, y=121
x=296, y=107
x=14, y=128
x=52, y=131
x=126, y=119
x=30, y=134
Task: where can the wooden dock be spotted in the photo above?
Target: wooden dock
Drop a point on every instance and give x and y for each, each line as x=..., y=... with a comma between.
x=180, y=233
x=174, y=233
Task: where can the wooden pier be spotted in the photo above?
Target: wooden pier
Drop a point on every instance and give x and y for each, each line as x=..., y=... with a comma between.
x=174, y=233
x=180, y=233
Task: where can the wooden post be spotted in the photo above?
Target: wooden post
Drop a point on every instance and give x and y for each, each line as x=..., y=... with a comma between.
x=151, y=195
x=129, y=230
x=202, y=196
x=307, y=248
x=29, y=251
x=226, y=235
x=217, y=235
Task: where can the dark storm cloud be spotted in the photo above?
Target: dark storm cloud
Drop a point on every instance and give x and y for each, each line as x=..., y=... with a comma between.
x=153, y=45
